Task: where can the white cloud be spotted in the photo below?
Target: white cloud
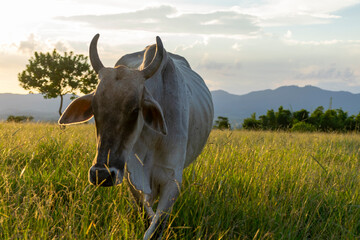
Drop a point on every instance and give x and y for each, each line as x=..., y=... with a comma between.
x=237, y=47
x=296, y=12
x=289, y=40
x=29, y=45
x=61, y=46
x=288, y=35
x=167, y=19
x=35, y=43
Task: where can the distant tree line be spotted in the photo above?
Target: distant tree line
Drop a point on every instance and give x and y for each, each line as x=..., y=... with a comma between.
x=18, y=119
x=319, y=120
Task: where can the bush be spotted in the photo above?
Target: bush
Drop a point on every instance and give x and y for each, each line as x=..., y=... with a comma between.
x=303, y=127
x=251, y=123
x=18, y=119
x=222, y=123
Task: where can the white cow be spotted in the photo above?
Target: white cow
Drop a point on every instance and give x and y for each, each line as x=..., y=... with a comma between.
x=153, y=116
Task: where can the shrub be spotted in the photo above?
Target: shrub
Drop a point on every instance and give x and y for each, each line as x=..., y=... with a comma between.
x=222, y=123
x=303, y=127
x=251, y=123
x=13, y=118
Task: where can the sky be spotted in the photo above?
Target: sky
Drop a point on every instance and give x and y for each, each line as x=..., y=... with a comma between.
x=237, y=46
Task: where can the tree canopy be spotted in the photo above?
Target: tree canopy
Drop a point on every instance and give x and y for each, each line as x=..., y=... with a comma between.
x=222, y=123
x=53, y=75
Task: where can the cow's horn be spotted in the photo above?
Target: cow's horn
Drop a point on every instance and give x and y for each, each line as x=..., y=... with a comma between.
x=94, y=56
x=156, y=62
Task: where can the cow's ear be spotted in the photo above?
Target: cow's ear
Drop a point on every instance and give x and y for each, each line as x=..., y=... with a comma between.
x=153, y=115
x=78, y=111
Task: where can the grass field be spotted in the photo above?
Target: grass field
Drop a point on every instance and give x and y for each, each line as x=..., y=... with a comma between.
x=245, y=185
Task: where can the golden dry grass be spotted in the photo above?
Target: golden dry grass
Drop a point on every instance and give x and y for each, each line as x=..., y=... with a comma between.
x=245, y=185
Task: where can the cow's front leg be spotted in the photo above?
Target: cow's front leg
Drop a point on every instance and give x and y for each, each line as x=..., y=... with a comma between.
x=143, y=201
x=168, y=194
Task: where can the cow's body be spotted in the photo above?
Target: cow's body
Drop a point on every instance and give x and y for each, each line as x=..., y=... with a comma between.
x=161, y=149
x=188, y=111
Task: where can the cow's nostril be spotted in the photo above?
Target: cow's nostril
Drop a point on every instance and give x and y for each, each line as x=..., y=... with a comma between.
x=105, y=176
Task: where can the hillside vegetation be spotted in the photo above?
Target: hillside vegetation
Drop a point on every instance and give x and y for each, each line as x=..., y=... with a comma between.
x=245, y=185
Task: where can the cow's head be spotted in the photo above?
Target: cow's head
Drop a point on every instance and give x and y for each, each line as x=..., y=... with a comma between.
x=121, y=106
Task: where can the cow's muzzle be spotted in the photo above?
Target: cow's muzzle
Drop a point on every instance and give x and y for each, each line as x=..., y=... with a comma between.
x=105, y=176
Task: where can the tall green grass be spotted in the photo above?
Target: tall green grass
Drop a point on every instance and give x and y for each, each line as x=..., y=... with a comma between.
x=245, y=185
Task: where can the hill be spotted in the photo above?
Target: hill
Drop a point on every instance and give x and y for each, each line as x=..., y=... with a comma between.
x=235, y=107
x=31, y=104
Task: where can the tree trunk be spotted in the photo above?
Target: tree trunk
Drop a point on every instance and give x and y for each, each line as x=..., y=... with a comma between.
x=61, y=104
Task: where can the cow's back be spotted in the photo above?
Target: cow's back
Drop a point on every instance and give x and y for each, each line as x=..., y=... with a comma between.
x=201, y=110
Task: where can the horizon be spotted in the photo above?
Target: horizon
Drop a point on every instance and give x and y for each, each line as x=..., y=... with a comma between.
x=214, y=90
x=236, y=46
x=226, y=104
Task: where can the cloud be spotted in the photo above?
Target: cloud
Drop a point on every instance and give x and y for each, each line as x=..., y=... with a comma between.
x=296, y=12
x=211, y=64
x=61, y=46
x=168, y=19
x=29, y=45
x=289, y=40
x=237, y=47
x=35, y=42
x=331, y=73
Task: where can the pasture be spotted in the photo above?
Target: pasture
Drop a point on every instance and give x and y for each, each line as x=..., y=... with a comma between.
x=245, y=185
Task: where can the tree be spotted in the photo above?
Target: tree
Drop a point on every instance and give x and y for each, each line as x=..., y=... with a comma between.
x=350, y=123
x=55, y=75
x=334, y=120
x=301, y=116
x=264, y=122
x=222, y=123
x=283, y=118
x=357, y=122
x=342, y=117
x=251, y=123
x=316, y=117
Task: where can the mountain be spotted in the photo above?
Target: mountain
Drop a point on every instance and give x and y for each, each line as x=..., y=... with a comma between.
x=235, y=107
x=238, y=107
x=31, y=104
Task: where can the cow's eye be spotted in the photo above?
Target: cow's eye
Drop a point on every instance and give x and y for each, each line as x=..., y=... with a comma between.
x=134, y=114
x=135, y=111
